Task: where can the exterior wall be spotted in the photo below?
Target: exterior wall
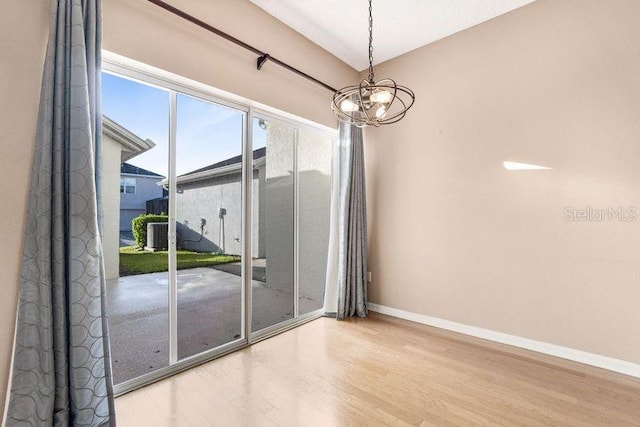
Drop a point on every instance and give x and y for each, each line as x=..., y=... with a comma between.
x=111, y=152
x=132, y=205
x=273, y=212
x=314, y=204
x=278, y=204
x=456, y=236
x=259, y=213
x=202, y=200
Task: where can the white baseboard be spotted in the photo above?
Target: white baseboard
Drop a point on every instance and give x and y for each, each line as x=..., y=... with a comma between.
x=604, y=362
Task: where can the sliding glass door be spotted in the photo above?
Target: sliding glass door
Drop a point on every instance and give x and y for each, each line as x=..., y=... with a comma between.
x=135, y=160
x=291, y=207
x=208, y=218
x=216, y=224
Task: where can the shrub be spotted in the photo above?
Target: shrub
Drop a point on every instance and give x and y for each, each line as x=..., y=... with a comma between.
x=139, y=226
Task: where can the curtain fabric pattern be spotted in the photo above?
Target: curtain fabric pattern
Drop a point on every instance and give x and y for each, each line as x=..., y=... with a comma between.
x=61, y=367
x=352, y=243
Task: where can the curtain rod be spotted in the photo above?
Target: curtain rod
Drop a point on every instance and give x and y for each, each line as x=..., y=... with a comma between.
x=263, y=57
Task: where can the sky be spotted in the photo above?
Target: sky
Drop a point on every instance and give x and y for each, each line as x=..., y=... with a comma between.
x=206, y=133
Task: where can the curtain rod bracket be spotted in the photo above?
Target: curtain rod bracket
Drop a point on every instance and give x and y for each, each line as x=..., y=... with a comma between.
x=262, y=60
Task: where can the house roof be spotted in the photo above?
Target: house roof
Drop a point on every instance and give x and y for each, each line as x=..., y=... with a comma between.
x=224, y=167
x=135, y=170
x=257, y=154
x=132, y=144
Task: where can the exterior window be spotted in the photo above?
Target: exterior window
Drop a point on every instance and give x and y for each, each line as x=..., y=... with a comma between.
x=128, y=185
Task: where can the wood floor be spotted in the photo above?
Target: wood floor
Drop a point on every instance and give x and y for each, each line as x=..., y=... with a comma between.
x=384, y=371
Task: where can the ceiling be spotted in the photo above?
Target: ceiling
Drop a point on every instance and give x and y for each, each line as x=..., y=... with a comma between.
x=341, y=26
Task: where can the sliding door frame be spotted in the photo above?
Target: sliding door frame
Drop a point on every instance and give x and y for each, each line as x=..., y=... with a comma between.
x=172, y=234
x=174, y=85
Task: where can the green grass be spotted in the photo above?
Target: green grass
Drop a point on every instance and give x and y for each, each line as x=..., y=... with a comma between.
x=134, y=261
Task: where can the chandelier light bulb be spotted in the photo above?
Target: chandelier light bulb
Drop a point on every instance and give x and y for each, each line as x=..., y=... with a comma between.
x=348, y=106
x=381, y=96
x=381, y=111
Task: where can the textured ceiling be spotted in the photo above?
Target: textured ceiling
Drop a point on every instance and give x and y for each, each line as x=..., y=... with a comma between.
x=341, y=26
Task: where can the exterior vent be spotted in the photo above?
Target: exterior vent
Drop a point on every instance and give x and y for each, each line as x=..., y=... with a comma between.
x=157, y=236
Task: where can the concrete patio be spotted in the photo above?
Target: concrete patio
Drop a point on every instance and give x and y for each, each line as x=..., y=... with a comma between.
x=209, y=307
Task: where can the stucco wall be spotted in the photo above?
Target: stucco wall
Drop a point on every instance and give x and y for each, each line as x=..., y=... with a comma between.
x=202, y=200
x=314, y=204
x=111, y=152
x=278, y=204
x=273, y=215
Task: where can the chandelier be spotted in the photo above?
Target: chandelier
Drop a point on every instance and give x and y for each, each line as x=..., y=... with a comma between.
x=372, y=103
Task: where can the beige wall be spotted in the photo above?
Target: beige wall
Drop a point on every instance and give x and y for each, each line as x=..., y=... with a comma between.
x=456, y=236
x=23, y=37
x=143, y=32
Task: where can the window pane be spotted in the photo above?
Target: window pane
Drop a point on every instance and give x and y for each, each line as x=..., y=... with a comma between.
x=273, y=224
x=137, y=280
x=209, y=224
x=314, y=201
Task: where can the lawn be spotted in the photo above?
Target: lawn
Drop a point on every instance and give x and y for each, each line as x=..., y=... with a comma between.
x=134, y=261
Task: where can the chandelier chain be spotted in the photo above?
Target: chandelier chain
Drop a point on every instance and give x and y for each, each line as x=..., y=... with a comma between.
x=370, y=41
x=372, y=103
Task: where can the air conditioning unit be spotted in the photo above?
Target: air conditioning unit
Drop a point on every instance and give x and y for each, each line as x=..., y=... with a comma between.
x=157, y=236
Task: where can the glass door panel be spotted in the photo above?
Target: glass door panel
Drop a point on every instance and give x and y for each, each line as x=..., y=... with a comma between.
x=208, y=200
x=314, y=202
x=134, y=154
x=272, y=223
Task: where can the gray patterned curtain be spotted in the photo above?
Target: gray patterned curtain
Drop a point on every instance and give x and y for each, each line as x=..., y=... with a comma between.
x=61, y=368
x=352, y=242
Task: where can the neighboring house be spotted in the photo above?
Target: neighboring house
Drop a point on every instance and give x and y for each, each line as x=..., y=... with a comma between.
x=209, y=212
x=208, y=207
x=118, y=146
x=137, y=186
